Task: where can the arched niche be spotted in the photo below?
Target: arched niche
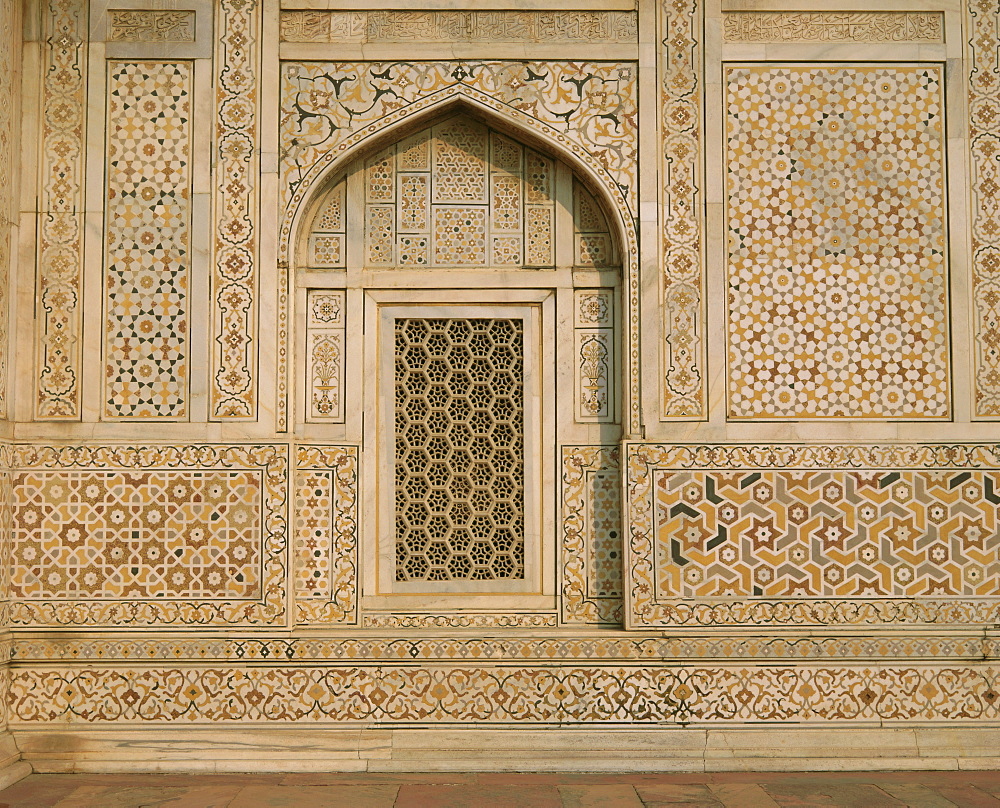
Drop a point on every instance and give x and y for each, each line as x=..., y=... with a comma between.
x=459, y=288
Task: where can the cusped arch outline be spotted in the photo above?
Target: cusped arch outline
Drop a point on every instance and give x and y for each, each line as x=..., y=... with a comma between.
x=525, y=128
x=392, y=127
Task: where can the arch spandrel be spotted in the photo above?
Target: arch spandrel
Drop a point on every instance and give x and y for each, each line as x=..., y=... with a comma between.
x=321, y=130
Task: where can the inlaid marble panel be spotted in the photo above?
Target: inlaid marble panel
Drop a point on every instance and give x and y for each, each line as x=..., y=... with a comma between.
x=149, y=535
x=147, y=240
x=813, y=534
x=837, y=268
x=326, y=322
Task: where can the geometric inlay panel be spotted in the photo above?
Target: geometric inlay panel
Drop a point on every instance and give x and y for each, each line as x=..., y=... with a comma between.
x=837, y=267
x=146, y=535
x=150, y=534
x=828, y=533
x=457, y=195
x=591, y=535
x=822, y=534
x=148, y=213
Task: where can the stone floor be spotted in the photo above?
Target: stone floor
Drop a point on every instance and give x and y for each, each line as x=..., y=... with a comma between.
x=736, y=790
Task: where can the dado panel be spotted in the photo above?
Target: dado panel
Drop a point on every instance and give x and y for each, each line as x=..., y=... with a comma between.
x=812, y=535
x=132, y=536
x=483, y=694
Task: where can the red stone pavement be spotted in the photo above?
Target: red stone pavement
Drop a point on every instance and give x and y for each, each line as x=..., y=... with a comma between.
x=446, y=790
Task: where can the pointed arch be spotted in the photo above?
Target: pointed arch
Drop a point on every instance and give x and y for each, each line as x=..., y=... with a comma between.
x=614, y=197
x=451, y=101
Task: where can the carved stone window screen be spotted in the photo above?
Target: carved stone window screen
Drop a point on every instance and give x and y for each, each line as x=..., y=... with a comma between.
x=460, y=448
x=459, y=439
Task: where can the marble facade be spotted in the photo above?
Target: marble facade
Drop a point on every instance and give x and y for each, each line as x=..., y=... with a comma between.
x=430, y=388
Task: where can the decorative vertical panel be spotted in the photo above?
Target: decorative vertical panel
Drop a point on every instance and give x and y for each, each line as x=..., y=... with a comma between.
x=326, y=539
x=680, y=209
x=234, y=281
x=147, y=240
x=984, y=137
x=594, y=344
x=839, y=307
x=9, y=52
x=60, y=219
x=325, y=323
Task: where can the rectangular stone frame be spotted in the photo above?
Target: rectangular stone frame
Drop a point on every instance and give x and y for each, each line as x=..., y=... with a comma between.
x=528, y=603
x=647, y=608
x=270, y=462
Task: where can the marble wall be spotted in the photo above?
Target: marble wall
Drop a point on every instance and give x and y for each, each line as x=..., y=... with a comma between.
x=751, y=258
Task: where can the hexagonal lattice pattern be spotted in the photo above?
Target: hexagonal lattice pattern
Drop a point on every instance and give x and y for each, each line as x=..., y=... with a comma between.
x=459, y=449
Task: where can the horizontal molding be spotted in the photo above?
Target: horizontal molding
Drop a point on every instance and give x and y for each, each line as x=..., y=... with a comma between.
x=537, y=646
x=478, y=694
x=552, y=749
